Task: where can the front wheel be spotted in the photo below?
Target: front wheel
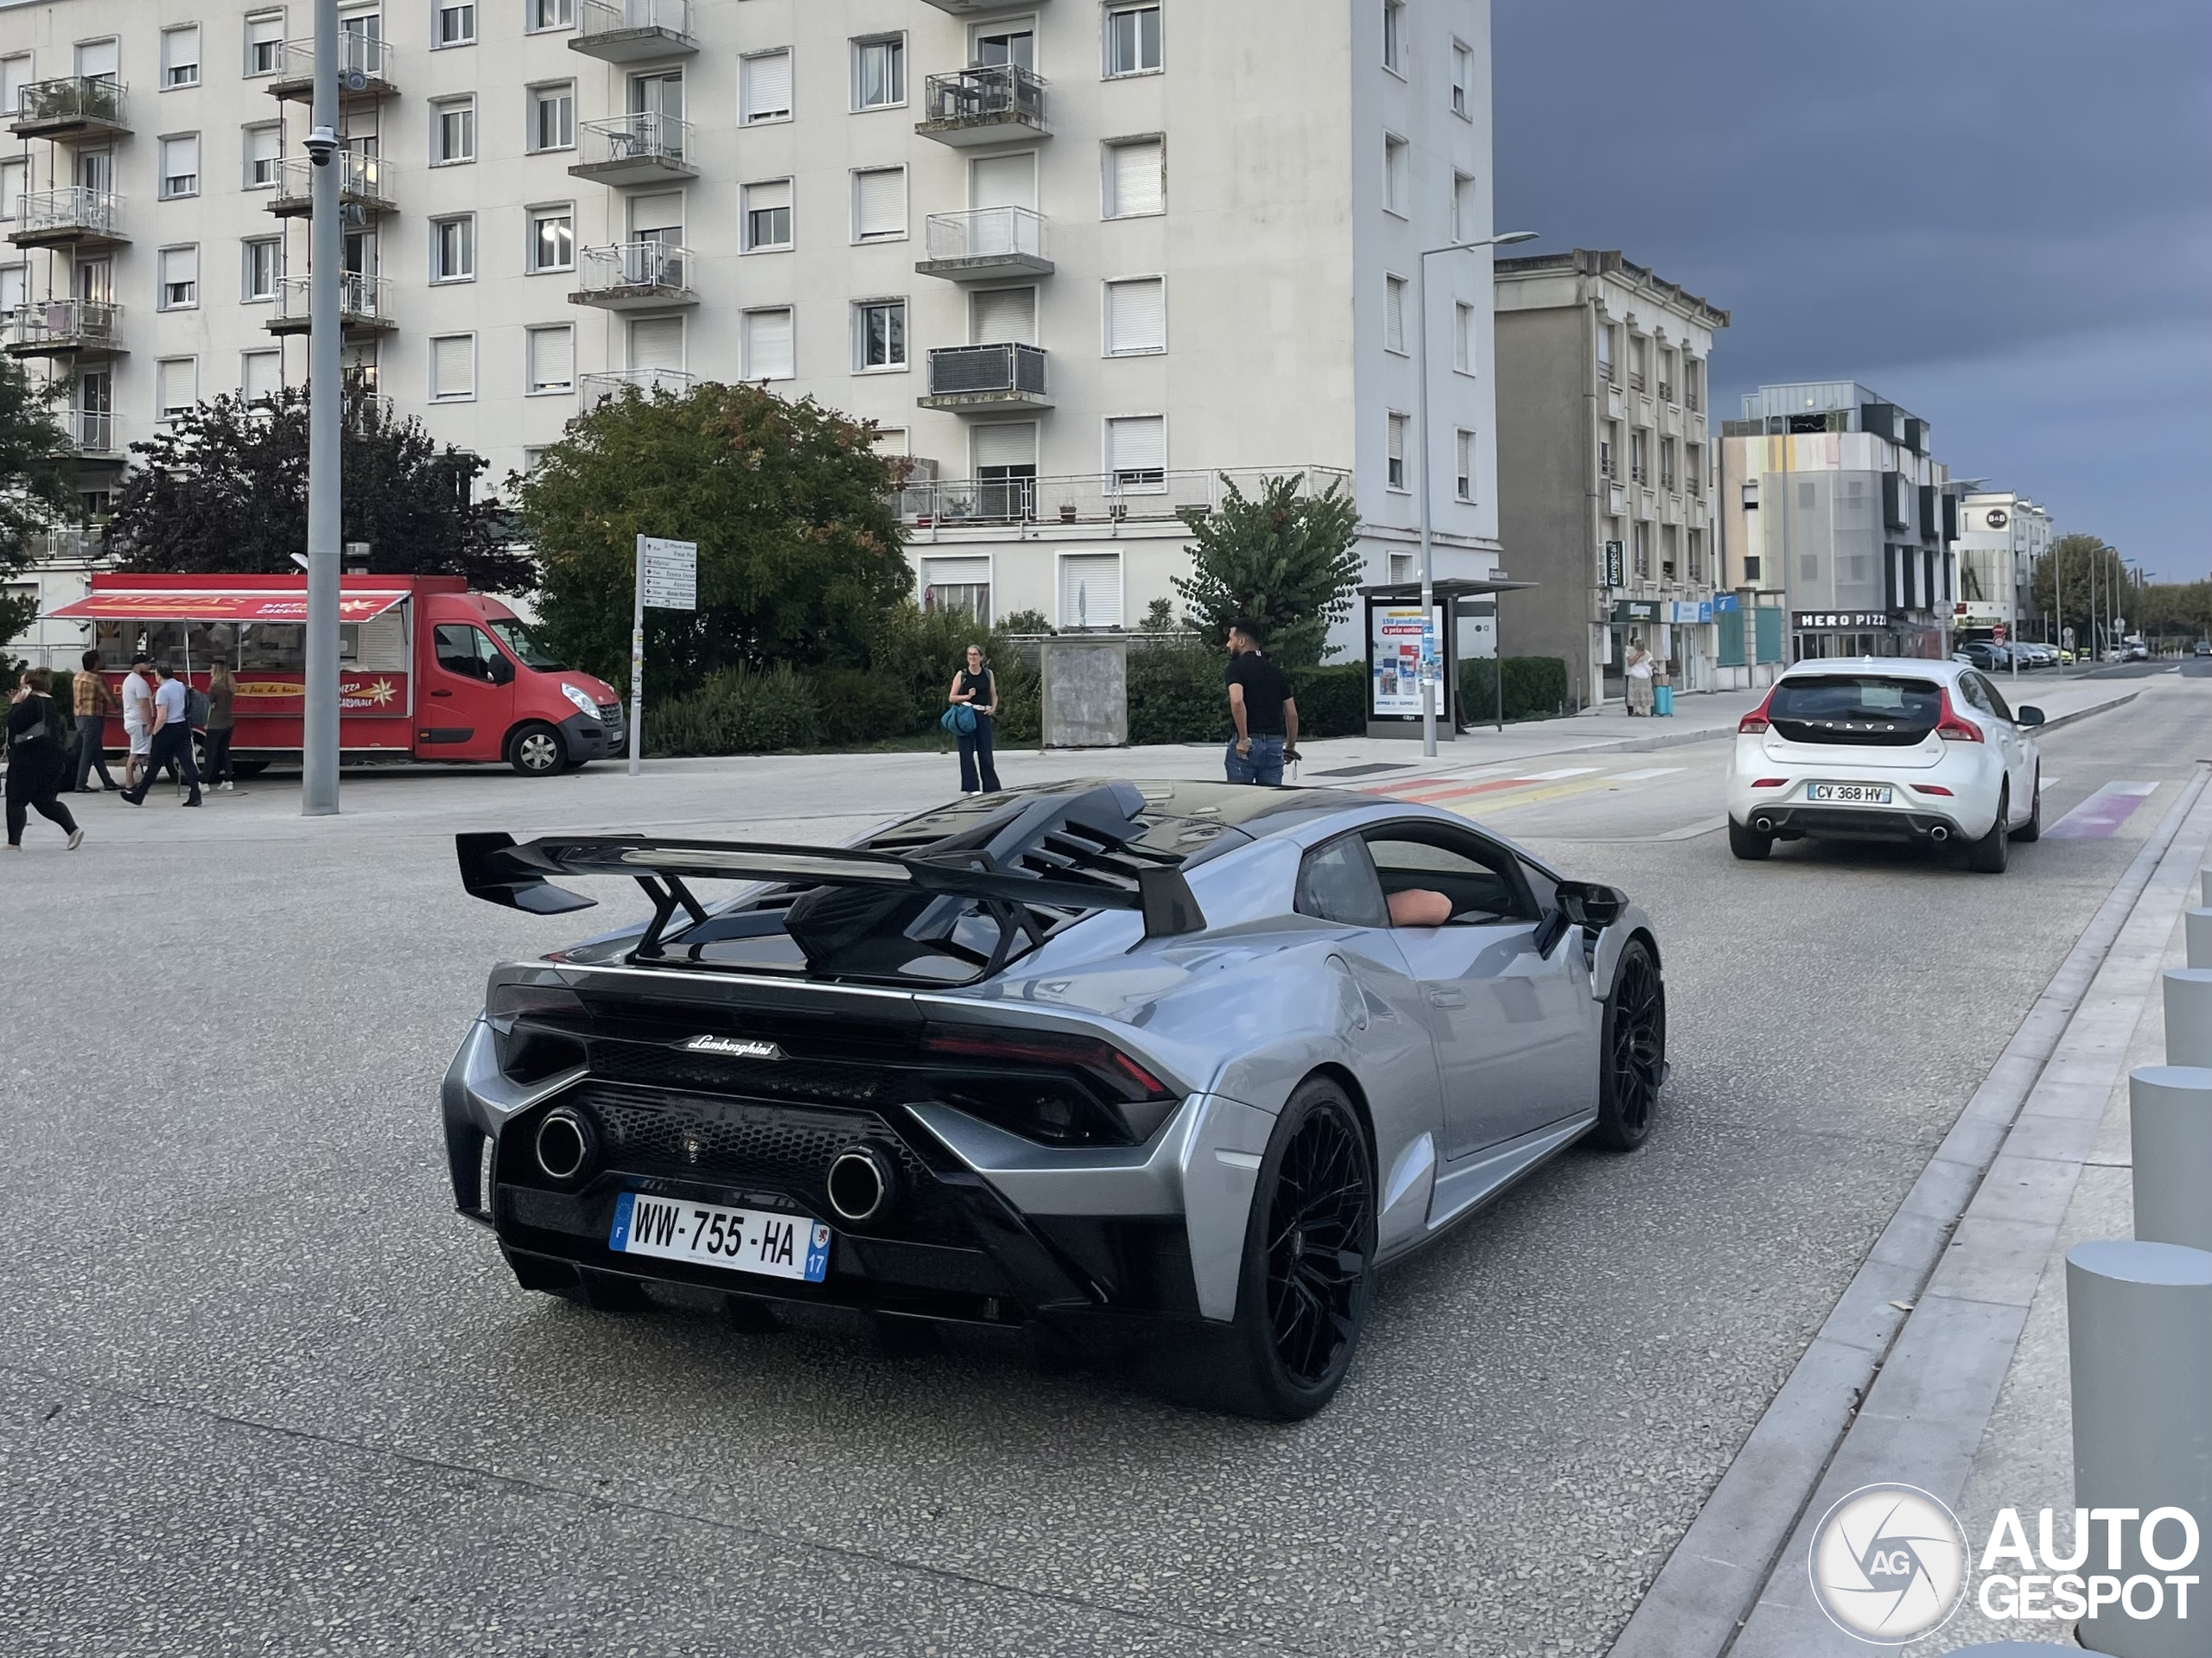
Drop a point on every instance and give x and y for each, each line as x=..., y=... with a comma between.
x=2032, y=829
x=536, y=750
x=1632, y=1054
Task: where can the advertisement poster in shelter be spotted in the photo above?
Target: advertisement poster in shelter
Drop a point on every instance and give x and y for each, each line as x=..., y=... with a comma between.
x=1393, y=658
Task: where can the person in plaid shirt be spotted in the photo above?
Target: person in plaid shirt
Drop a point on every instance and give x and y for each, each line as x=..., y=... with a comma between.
x=91, y=702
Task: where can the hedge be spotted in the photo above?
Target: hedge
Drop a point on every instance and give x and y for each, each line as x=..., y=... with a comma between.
x=737, y=711
x=1535, y=689
x=1177, y=695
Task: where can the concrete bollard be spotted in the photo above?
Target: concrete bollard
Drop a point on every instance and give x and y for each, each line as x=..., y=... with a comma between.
x=2198, y=927
x=2170, y=1127
x=2138, y=1332
x=2188, y=1016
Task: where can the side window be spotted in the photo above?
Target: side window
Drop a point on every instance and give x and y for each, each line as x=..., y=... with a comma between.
x=1970, y=687
x=1996, y=699
x=463, y=650
x=1336, y=883
x=1482, y=881
x=1543, y=891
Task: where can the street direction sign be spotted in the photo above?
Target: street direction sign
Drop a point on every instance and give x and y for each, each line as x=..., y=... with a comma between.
x=667, y=579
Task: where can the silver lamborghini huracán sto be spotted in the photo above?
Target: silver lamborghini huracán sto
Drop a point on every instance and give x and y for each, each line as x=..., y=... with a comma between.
x=1100, y=1059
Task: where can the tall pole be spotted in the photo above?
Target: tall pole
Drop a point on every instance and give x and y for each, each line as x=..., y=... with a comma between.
x=319, y=739
x=638, y=663
x=1427, y=560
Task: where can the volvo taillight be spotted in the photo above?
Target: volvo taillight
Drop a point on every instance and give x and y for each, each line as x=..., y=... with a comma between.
x=1951, y=728
x=1756, y=721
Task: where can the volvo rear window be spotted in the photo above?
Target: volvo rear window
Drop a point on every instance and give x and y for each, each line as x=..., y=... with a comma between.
x=1878, y=709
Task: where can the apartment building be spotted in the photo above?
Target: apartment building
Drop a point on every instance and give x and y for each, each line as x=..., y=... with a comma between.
x=2001, y=535
x=1604, y=470
x=1077, y=259
x=1833, y=501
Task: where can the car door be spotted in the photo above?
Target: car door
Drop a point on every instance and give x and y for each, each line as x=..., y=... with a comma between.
x=470, y=696
x=1514, y=1024
x=2012, y=742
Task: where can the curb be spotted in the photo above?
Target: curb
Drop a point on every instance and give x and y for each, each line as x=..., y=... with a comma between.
x=1707, y=1589
x=2080, y=714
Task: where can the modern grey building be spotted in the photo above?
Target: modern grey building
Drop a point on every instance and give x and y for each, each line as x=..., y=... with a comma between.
x=1605, y=469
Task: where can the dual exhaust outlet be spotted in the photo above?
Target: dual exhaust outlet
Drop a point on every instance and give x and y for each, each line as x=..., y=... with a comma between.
x=862, y=1182
x=1764, y=825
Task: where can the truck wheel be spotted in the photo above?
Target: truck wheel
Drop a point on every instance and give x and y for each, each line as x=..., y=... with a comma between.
x=248, y=768
x=536, y=750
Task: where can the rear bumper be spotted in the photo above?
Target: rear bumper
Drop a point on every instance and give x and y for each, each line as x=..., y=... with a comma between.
x=1853, y=824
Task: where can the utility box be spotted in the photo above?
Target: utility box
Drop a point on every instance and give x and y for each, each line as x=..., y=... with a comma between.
x=1086, y=680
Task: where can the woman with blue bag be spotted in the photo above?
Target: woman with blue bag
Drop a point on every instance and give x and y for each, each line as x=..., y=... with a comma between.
x=974, y=704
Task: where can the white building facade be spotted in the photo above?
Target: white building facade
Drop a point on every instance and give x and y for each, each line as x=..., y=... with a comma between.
x=1075, y=259
x=2002, y=536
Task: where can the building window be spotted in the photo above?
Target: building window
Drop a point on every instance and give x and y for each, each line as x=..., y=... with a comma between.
x=1666, y=376
x=453, y=131
x=1640, y=538
x=1136, y=451
x=1136, y=316
x=1693, y=382
x=551, y=13
x=880, y=72
x=553, y=117
x=551, y=359
x=767, y=218
x=1694, y=469
x=453, y=367
x=1394, y=35
x=553, y=238
x=261, y=264
x=1605, y=352
x=1132, y=39
x=1466, y=208
x=880, y=334
x=1638, y=470
x=1393, y=315
x=1466, y=347
x=1397, y=472
x=176, y=386
x=768, y=353
x=1695, y=542
x=880, y=204
x=1639, y=355
x=1136, y=177
x=15, y=290
x=1666, y=463
x=454, y=24
x=453, y=249
x=14, y=177
x=1091, y=590
x=261, y=375
x=264, y=43
x=181, y=56
x=1751, y=562
x=1396, y=192
x=1605, y=458
x=1668, y=537
x=764, y=87
x=531, y=460
x=1463, y=81
x=180, y=278
x=264, y=152
x=180, y=167
x=1463, y=455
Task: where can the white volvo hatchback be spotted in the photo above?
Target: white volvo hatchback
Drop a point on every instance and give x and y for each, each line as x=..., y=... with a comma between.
x=1886, y=748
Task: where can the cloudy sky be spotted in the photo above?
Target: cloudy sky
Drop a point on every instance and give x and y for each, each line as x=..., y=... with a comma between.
x=1996, y=213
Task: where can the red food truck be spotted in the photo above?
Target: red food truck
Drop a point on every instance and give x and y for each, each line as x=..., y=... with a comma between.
x=428, y=670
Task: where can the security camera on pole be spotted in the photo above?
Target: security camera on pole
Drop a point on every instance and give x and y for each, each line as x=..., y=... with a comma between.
x=319, y=733
x=668, y=579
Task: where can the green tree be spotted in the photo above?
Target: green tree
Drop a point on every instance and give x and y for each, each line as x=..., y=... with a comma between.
x=224, y=488
x=1282, y=559
x=37, y=475
x=799, y=559
x=2076, y=571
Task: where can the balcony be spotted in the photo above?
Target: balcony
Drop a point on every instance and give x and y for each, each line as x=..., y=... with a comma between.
x=73, y=107
x=592, y=390
x=985, y=242
x=67, y=327
x=623, y=31
x=970, y=8
x=364, y=69
x=364, y=181
x=91, y=432
x=75, y=216
x=979, y=380
x=361, y=305
x=631, y=275
x=988, y=104
x=641, y=149
x=73, y=544
x=1093, y=497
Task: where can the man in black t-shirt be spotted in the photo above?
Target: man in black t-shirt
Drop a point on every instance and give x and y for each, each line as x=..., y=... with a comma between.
x=1263, y=710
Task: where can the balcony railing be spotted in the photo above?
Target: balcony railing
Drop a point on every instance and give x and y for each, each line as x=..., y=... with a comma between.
x=618, y=31
x=361, y=304
x=76, y=212
x=56, y=328
x=1095, y=498
x=363, y=181
x=74, y=103
x=364, y=67
x=592, y=390
x=968, y=8
x=68, y=543
x=983, y=241
x=635, y=148
x=1666, y=391
x=92, y=431
x=633, y=273
x=977, y=105
x=977, y=376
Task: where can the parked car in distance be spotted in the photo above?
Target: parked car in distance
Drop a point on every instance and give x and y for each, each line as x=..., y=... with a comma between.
x=2204, y=648
x=1979, y=653
x=1886, y=749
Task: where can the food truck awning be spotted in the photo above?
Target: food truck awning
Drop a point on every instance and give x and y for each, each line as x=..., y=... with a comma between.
x=169, y=605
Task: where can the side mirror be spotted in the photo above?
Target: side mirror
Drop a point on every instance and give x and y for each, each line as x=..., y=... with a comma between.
x=503, y=671
x=1588, y=904
x=2028, y=717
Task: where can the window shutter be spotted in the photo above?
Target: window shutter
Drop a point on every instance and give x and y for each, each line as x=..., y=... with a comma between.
x=1004, y=315
x=656, y=342
x=1139, y=184
x=1003, y=181
x=1138, y=443
x=767, y=86
x=656, y=218
x=179, y=266
x=178, y=383
x=1394, y=312
x=882, y=198
x=452, y=366
x=552, y=358
x=15, y=75
x=262, y=374
x=1136, y=316
x=1007, y=444
x=1091, y=590
x=261, y=144
x=768, y=345
x=12, y=290
x=99, y=58
x=956, y=572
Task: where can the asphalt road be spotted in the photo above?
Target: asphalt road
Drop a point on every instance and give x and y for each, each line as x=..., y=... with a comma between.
x=262, y=1392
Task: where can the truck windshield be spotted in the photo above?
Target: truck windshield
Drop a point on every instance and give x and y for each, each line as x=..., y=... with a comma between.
x=517, y=638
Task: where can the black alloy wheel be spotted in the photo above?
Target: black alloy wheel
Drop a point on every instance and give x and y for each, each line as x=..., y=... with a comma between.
x=1633, y=1063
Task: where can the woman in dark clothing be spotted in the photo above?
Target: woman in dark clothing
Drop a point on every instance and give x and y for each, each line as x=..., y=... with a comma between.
x=976, y=687
x=222, y=691
x=37, y=761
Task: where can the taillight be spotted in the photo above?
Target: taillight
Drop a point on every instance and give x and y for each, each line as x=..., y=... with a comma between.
x=1929, y=788
x=1102, y=1060
x=1756, y=721
x=1768, y=782
x=1951, y=728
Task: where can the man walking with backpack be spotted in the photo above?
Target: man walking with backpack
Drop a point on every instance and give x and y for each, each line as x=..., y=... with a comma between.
x=171, y=745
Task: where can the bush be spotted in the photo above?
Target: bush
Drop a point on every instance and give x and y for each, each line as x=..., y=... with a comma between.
x=1176, y=695
x=1333, y=701
x=858, y=707
x=1024, y=621
x=736, y=712
x=1535, y=689
x=916, y=653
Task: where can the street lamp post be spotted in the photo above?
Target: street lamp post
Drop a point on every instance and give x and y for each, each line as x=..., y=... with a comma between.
x=319, y=739
x=1434, y=647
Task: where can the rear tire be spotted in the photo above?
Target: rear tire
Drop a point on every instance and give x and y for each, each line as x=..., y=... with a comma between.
x=537, y=751
x=2032, y=829
x=248, y=768
x=1632, y=1052
x=1989, y=856
x=1747, y=843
